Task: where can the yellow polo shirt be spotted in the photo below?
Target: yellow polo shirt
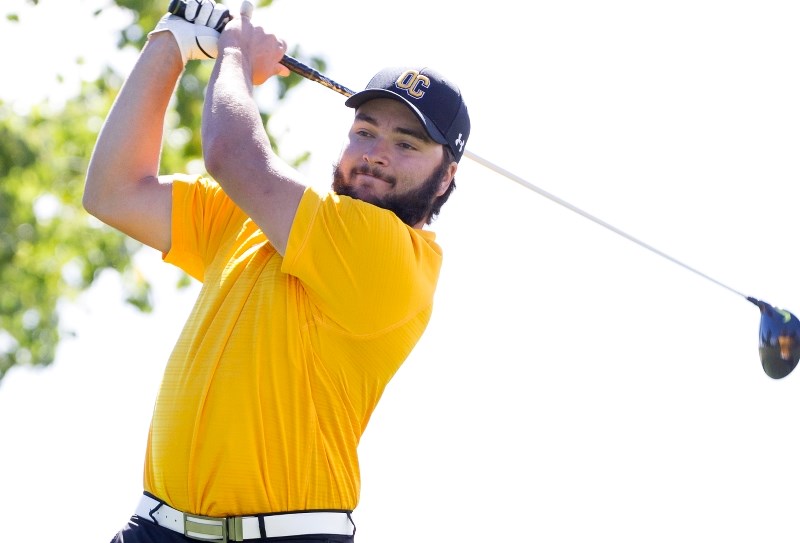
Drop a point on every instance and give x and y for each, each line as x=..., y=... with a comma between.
x=283, y=359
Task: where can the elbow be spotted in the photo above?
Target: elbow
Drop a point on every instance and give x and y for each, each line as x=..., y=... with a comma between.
x=214, y=156
x=90, y=200
x=97, y=198
x=211, y=155
x=214, y=166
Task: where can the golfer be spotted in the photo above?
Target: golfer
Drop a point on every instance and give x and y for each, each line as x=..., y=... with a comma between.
x=310, y=301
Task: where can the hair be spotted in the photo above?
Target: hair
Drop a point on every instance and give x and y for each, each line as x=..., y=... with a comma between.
x=447, y=158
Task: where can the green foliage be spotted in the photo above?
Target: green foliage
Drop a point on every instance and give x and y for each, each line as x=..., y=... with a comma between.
x=50, y=248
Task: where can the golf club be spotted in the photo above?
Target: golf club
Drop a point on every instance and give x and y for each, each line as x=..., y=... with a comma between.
x=178, y=7
x=779, y=330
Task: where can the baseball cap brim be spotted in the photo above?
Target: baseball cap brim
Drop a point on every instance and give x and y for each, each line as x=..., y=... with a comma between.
x=370, y=94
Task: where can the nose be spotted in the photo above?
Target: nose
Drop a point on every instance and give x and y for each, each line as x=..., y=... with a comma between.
x=376, y=153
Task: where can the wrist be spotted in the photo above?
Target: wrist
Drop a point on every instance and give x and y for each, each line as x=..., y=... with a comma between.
x=233, y=60
x=165, y=44
x=194, y=41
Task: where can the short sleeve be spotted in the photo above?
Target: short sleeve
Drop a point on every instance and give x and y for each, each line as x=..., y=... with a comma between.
x=202, y=217
x=363, y=266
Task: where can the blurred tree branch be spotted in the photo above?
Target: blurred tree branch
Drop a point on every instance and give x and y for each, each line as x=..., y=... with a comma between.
x=50, y=248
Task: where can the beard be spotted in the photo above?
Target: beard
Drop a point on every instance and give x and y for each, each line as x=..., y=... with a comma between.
x=411, y=207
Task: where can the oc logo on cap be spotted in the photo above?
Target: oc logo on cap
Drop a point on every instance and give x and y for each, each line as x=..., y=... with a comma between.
x=413, y=83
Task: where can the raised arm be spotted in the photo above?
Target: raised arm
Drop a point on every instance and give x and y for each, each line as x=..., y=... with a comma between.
x=122, y=185
x=236, y=148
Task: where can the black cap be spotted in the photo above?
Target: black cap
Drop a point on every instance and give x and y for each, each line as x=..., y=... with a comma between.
x=436, y=101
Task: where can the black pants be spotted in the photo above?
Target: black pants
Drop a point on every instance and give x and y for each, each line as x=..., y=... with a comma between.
x=139, y=530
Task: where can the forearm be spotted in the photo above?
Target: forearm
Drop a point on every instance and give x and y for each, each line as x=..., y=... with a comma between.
x=234, y=139
x=236, y=148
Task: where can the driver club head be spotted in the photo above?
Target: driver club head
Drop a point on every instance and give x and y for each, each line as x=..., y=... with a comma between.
x=778, y=340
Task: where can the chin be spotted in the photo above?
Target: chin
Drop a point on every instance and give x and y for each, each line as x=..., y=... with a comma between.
x=363, y=195
x=342, y=188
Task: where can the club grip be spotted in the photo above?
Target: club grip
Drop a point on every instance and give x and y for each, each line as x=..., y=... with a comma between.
x=177, y=7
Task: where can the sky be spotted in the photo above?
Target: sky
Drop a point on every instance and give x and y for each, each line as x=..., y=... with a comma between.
x=571, y=385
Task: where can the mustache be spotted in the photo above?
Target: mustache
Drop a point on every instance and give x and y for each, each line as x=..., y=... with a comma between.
x=373, y=172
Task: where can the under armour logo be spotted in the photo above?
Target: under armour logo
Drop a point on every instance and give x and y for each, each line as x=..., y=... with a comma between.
x=459, y=142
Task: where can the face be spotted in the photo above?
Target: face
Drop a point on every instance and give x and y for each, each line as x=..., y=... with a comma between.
x=390, y=161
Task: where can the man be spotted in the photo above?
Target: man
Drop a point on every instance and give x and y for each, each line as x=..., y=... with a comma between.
x=310, y=300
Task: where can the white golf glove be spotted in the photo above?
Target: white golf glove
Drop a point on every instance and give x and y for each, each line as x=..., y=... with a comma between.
x=198, y=31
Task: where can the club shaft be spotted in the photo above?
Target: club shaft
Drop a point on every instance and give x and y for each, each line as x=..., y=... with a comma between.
x=505, y=173
x=178, y=7
x=310, y=73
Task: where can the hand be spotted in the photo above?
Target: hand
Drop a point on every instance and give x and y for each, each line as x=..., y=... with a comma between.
x=197, y=33
x=261, y=51
x=207, y=13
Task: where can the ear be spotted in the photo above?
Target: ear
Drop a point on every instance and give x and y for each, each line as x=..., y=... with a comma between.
x=447, y=179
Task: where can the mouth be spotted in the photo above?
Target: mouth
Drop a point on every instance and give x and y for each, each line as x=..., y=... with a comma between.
x=368, y=176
